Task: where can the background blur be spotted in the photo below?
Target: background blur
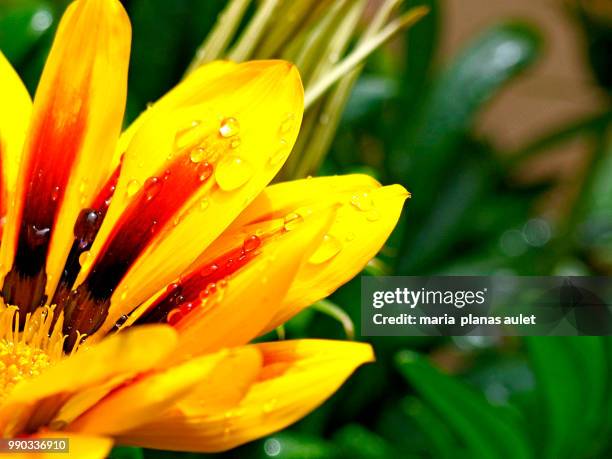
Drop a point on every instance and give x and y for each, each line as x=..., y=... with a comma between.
x=496, y=115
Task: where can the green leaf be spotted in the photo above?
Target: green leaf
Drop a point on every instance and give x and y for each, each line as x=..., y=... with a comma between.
x=165, y=37
x=456, y=96
x=438, y=231
x=571, y=375
x=357, y=442
x=288, y=445
x=126, y=452
x=21, y=28
x=486, y=431
x=421, y=43
x=443, y=443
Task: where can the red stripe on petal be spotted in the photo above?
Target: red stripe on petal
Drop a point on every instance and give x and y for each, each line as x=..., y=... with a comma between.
x=52, y=154
x=86, y=228
x=191, y=290
x=151, y=209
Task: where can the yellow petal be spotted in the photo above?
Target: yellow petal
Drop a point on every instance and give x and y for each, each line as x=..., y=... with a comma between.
x=296, y=378
x=227, y=385
x=124, y=354
x=366, y=216
x=236, y=314
x=194, y=90
x=187, y=174
x=79, y=446
x=14, y=119
x=137, y=402
x=76, y=120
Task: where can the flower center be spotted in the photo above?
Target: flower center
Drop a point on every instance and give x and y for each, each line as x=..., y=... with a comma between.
x=19, y=361
x=26, y=351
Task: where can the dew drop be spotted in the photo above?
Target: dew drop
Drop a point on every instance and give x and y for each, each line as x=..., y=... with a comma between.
x=229, y=127
x=373, y=215
x=280, y=154
x=174, y=316
x=86, y=227
x=292, y=220
x=204, y=203
x=132, y=187
x=152, y=187
x=362, y=202
x=286, y=124
x=85, y=259
x=251, y=243
x=123, y=319
x=329, y=248
x=209, y=270
x=55, y=193
x=204, y=171
x=350, y=236
x=38, y=236
x=235, y=143
x=233, y=172
x=269, y=406
x=187, y=136
x=197, y=155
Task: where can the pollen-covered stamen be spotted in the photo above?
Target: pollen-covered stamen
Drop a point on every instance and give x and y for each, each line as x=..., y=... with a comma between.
x=152, y=207
x=85, y=230
x=27, y=353
x=192, y=290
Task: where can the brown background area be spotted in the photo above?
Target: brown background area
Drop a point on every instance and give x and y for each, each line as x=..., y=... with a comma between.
x=556, y=90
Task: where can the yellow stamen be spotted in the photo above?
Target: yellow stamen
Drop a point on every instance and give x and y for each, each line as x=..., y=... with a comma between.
x=26, y=352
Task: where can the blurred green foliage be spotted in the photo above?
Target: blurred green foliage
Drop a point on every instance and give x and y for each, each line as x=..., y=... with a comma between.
x=412, y=122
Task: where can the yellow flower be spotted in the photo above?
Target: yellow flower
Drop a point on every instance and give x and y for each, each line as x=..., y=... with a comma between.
x=137, y=268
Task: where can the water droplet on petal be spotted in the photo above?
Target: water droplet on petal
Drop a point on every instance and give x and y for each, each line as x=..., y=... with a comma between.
x=132, y=187
x=197, y=155
x=204, y=203
x=286, y=124
x=329, y=248
x=120, y=321
x=152, y=187
x=269, y=406
x=187, y=136
x=280, y=154
x=174, y=316
x=292, y=220
x=251, y=243
x=233, y=172
x=362, y=202
x=55, y=193
x=229, y=127
x=235, y=143
x=373, y=215
x=84, y=259
x=350, y=236
x=204, y=171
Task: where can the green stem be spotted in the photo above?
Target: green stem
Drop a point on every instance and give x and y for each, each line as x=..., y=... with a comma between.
x=335, y=312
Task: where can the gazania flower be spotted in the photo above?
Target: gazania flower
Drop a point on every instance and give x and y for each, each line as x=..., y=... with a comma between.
x=136, y=269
